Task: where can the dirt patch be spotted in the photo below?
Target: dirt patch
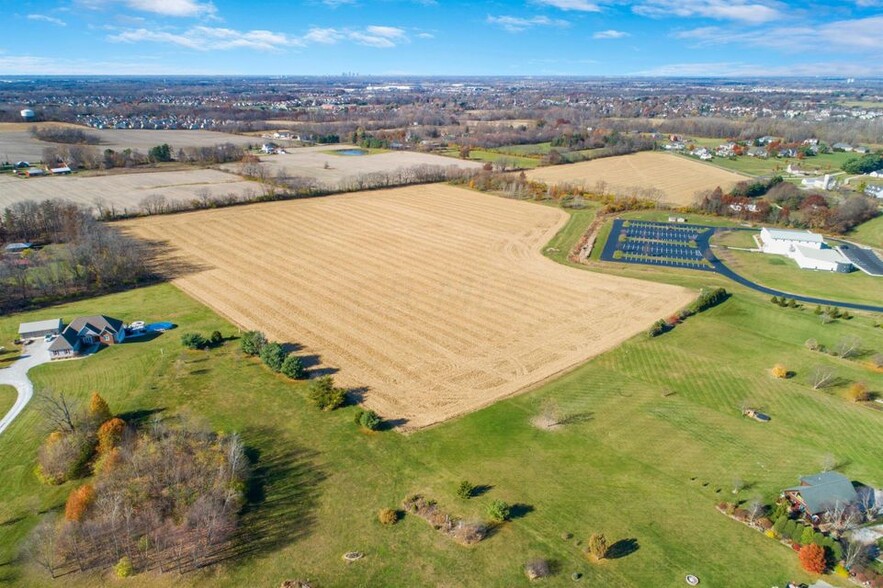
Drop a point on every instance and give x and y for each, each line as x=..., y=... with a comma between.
x=435, y=300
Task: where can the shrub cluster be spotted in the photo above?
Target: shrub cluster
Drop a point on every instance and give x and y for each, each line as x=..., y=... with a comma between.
x=197, y=341
x=499, y=510
x=785, y=302
x=706, y=299
x=273, y=355
x=325, y=395
x=368, y=419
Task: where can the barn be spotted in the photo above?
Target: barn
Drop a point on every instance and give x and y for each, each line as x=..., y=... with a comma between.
x=39, y=329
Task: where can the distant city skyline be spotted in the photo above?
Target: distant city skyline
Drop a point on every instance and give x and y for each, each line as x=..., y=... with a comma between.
x=732, y=38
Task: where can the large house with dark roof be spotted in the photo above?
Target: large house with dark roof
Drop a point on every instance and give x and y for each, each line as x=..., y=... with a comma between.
x=821, y=492
x=86, y=331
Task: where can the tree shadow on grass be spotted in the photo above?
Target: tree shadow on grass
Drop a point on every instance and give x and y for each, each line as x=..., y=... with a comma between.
x=481, y=490
x=141, y=416
x=622, y=548
x=281, y=495
x=519, y=511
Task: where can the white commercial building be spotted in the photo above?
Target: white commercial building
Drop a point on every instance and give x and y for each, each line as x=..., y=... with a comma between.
x=782, y=242
x=808, y=249
x=829, y=260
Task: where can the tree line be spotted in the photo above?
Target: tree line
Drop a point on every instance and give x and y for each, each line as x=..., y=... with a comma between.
x=77, y=255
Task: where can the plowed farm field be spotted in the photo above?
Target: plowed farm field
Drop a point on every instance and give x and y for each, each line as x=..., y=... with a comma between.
x=435, y=300
x=678, y=179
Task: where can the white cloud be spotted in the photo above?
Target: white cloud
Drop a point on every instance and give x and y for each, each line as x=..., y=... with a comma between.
x=209, y=38
x=173, y=7
x=515, y=24
x=425, y=36
x=33, y=65
x=610, y=34
x=577, y=5
x=202, y=38
x=336, y=3
x=748, y=11
x=856, y=35
x=323, y=36
x=49, y=19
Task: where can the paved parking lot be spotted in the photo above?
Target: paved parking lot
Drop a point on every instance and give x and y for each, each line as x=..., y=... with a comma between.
x=660, y=244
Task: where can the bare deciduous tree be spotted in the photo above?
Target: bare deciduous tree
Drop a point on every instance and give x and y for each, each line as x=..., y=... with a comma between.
x=848, y=347
x=821, y=376
x=58, y=411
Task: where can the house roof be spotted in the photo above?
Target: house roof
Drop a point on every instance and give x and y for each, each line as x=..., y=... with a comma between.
x=785, y=235
x=822, y=491
x=37, y=326
x=96, y=324
x=67, y=341
x=18, y=246
x=831, y=255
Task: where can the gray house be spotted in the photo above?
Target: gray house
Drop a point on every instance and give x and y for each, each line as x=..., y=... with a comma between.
x=83, y=332
x=820, y=492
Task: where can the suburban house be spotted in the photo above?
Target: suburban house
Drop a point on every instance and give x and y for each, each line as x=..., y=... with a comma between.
x=825, y=182
x=808, y=249
x=38, y=329
x=83, y=332
x=820, y=492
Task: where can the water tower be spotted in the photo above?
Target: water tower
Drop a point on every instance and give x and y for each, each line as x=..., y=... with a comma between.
x=27, y=114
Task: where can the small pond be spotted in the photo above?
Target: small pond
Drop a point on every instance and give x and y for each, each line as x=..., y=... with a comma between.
x=351, y=152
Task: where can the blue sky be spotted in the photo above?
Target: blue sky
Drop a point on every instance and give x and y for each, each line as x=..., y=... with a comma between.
x=439, y=37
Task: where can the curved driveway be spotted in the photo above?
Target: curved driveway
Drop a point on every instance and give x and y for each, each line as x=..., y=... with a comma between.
x=16, y=376
x=703, y=243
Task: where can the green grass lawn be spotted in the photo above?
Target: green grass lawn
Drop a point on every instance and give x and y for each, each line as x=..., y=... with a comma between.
x=782, y=273
x=559, y=247
x=744, y=239
x=870, y=232
x=758, y=166
x=640, y=465
x=8, y=394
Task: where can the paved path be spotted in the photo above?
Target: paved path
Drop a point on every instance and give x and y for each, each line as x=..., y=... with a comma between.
x=16, y=376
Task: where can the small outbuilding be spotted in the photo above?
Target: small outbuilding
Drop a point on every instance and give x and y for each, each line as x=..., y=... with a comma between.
x=37, y=329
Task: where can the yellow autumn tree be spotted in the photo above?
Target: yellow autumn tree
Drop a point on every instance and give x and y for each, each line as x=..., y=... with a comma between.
x=109, y=434
x=98, y=408
x=779, y=371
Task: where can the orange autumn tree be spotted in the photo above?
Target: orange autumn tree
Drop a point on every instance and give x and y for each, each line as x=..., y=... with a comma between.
x=109, y=434
x=812, y=558
x=78, y=502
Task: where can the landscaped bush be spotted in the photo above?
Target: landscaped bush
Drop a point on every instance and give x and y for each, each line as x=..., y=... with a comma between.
x=387, y=516
x=790, y=528
x=216, y=339
x=252, y=342
x=780, y=371
x=499, y=511
x=812, y=558
x=194, y=341
x=273, y=355
x=465, y=490
x=324, y=395
x=807, y=536
x=293, y=367
x=368, y=419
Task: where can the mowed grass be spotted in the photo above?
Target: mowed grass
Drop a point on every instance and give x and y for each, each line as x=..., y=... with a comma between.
x=559, y=247
x=782, y=273
x=8, y=394
x=758, y=166
x=660, y=435
x=870, y=232
x=484, y=155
